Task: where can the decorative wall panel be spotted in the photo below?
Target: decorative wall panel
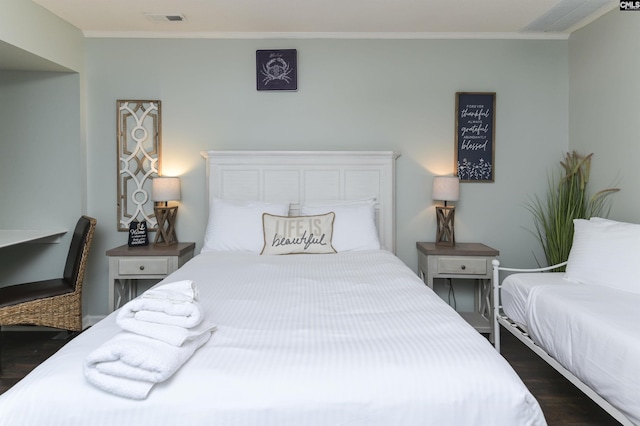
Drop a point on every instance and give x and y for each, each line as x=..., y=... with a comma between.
x=139, y=160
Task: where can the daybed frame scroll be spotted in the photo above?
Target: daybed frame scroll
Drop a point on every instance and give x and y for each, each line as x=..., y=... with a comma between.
x=500, y=318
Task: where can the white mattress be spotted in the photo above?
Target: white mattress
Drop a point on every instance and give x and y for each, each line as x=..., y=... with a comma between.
x=516, y=288
x=351, y=338
x=592, y=330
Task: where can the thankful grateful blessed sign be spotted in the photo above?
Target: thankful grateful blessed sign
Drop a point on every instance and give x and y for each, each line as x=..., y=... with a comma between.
x=475, y=122
x=300, y=234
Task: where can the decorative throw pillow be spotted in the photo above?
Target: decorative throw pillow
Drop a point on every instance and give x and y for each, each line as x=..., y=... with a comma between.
x=605, y=252
x=355, y=224
x=298, y=234
x=236, y=225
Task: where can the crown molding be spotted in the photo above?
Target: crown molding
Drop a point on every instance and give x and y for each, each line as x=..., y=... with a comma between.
x=329, y=35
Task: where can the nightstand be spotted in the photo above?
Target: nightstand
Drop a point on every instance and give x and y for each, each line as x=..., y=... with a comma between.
x=463, y=261
x=129, y=264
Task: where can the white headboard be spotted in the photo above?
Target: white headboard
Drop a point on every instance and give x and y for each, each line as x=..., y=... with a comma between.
x=299, y=176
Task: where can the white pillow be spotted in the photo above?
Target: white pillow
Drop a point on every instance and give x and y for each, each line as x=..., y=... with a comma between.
x=354, y=227
x=299, y=234
x=605, y=252
x=237, y=225
x=603, y=220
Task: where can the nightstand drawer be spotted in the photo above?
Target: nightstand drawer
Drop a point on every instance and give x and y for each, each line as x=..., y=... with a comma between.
x=128, y=265
x=462, y=265
x=143, y=266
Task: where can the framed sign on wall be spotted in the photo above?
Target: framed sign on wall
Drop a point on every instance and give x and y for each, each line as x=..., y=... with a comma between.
x=277, y=69
x=475, y=136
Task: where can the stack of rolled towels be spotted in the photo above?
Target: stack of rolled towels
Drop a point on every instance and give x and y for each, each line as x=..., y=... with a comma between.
x=161, y=330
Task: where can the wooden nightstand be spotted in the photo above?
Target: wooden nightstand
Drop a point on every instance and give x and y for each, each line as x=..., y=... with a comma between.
x=128, y=264
x=468, y=261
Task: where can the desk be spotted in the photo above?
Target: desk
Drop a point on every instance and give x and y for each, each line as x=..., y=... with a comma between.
x=10, y=237
x=129, y=264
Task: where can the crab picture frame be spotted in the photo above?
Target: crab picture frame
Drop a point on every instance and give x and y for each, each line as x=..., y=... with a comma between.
x=277, y=70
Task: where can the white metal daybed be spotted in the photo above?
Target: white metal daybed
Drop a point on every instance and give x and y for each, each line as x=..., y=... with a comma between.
x=584, y=323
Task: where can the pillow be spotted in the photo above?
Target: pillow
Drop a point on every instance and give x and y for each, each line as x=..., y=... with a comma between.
x=605, y=252
x=603, y=220
x=299, y=234
x=354, y=227
x=237, y=225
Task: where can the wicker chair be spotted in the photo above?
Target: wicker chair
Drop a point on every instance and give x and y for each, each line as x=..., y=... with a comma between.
x=57, y=302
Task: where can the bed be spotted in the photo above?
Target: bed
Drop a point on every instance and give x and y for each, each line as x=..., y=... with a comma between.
x=583, y=322
x=352, y=337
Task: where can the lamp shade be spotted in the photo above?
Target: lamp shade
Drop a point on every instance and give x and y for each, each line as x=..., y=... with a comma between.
x=446, y=188
x=165, y=189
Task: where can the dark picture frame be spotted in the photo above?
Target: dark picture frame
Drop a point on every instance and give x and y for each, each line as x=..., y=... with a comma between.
x=475, y=136
x=277, y=69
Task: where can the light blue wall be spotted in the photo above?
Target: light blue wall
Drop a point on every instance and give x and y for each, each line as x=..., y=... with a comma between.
x=42, y=144
x=353, y=94
x=29, y=27
x=41, y=172
x=605, y=105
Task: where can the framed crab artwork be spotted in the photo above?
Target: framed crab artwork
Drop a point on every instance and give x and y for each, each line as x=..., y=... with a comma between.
x=277, y=69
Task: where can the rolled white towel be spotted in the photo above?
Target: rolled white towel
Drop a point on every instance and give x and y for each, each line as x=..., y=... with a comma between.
x=129, y=365
x=187, y=314
x=179, y=292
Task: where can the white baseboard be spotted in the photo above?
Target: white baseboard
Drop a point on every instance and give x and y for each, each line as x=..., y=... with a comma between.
x=89, y=320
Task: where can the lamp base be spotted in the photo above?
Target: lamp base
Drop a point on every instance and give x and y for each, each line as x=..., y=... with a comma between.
x=444, y=219
x=166, y=217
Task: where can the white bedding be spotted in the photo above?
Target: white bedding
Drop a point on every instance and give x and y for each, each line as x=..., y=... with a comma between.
x=516, y=289
x=351, y=338
x=591, y=330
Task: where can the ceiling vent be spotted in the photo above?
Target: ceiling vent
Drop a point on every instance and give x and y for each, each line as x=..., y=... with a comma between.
x=165, y=17
x=565, y=14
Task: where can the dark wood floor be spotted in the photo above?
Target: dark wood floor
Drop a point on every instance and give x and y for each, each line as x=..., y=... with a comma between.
x=561, y=402
x=22, y=351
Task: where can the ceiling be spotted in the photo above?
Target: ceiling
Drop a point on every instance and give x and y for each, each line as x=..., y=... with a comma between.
x=327, y=18
x=313, y=19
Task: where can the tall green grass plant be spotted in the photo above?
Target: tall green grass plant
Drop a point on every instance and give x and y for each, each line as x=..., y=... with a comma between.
x=567, y=199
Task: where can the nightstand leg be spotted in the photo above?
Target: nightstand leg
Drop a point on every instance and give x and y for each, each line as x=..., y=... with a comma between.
x=133, y=289
x=486, y=308
x=122, y=292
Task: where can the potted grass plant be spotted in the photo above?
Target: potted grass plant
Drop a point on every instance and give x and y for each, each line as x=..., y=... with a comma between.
x=567, y=198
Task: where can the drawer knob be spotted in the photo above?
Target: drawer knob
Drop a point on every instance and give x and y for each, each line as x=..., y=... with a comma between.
x=463, y=267
x=142, y=267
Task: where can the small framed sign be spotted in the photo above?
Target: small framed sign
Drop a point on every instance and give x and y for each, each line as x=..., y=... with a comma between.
x=475, y=133
x=277, y=69
x=138, y=234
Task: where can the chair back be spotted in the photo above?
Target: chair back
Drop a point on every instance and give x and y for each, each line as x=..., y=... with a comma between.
x=79, y=252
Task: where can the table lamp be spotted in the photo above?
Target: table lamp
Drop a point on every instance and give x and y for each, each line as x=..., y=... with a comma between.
x=445, y=188
x=163, y=190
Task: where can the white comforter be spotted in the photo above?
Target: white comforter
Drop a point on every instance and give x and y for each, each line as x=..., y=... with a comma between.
x=351, y=338
x=592, y=330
